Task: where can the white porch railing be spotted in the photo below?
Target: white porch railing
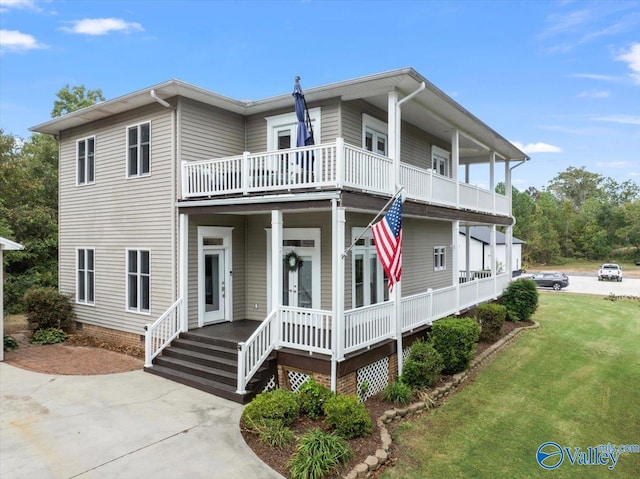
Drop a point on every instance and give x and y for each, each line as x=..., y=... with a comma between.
x=162, y=331
x=253, y=352
x=305, y=329
x=330, y=165
x=367, y=325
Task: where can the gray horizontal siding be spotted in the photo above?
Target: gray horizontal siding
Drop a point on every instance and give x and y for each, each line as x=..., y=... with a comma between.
x=118, y=213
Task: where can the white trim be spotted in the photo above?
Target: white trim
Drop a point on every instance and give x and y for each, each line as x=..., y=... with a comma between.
x=316, y=272
x=126, y=276
x=278, y=122
x=225, y=234
x=95, y=143
x=368, y=251
x=126, y=153
x=76, y=271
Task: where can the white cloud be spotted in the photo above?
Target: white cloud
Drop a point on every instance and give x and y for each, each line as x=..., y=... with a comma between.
x=6, y=5
x=614, y=164
x=537, y=147
x=632, y=58
x=594, y=94
x=16, y=41
x=624, y=119
x=594, y=76
x=102, y=26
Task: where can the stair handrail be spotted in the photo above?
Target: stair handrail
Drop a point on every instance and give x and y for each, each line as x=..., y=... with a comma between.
x=253, y=352
x=161, y=332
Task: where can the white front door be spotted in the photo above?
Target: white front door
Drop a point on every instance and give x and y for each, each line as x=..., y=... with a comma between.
x=214, y=275
x=297, y=285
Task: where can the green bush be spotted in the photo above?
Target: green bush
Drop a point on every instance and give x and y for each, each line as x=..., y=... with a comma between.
x=347, y=416
x=521, y=299
x=17, y=285
x=48, y=336
x=318, y=453
x=312, y=397
x=271, y=432
x=397, y=392
x=280, y=405
x=10, y=343
x=423, y=365
x=454, y=339
x=491, y=317
x=46, y=308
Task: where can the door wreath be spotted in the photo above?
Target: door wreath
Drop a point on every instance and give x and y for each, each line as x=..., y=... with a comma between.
x=292, y=261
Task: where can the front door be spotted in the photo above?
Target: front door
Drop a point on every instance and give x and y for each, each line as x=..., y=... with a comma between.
x=214, y=275
x=297, y=284
x=214, y=285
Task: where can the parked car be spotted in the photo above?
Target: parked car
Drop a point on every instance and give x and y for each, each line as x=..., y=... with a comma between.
x=610, y=271
x=551, y=279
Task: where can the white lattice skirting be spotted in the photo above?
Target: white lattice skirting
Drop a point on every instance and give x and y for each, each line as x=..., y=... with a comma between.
x=296, y=379
x=375, y=376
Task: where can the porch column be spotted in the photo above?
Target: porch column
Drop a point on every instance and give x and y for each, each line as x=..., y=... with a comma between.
x=455, y=161
x=339, y=222
x=508, y=243
x=276, y=270
x=493, y=260
x=455, y=233
x=394, y=138
x=492, y=179
x=184, y=271
x=467, y=251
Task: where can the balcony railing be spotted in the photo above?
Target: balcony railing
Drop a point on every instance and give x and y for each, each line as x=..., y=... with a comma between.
x=331, y=165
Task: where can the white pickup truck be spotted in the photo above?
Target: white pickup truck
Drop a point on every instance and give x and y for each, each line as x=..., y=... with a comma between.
x=610, y=271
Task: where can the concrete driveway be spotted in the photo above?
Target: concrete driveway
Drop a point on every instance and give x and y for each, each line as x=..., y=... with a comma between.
x=126, y=425
x=591, y=285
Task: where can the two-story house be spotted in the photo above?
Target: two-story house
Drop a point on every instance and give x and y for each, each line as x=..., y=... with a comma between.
x=179, y=207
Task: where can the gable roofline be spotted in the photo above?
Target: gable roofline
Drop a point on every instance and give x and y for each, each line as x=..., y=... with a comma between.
x=431, y=101
x=483, y=234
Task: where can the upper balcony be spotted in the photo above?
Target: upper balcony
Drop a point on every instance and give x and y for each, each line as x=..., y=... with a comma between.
x=330, y=166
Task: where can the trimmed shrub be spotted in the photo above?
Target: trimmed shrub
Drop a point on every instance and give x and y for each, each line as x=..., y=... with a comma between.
x=48, y=336
x=312, y=397
x=397, y=392
x=491, y=317
x=279, y=405
x=9, y=343
x=46, y=308
x=423, y=365
x=454, y=339
x=521, y=299
x=347, y=416
x=318, y=453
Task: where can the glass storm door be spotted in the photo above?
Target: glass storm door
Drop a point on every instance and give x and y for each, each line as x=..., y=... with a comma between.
x=297, y=286
x=212, y=294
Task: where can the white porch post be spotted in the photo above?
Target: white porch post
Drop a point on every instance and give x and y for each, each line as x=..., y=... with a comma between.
x=493, y=260
x=339, y=162
x=184, y=271
x=455, y=161
x=339, y=222
x=492, y=179
x=393, y=114
x=508, y=243
x=467, y=251
x=455, y=233
x=276, y=270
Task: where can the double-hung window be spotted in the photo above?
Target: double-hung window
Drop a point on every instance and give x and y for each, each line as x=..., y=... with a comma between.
x=139, y=150
x=440, y=160
x=85, y=160
x=138, y=281
x=374, y=135
x=85, y=282
x=439, y=258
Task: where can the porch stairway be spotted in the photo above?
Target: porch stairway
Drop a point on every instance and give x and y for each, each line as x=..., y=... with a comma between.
x=209, y=364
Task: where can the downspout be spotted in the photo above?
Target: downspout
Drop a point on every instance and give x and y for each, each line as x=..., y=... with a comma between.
x=509, y=237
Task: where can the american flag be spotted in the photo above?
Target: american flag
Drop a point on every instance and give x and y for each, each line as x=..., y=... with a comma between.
x=387, y=234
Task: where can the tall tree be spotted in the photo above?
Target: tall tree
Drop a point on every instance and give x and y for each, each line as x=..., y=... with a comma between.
x=75, y=98
x=576, y=185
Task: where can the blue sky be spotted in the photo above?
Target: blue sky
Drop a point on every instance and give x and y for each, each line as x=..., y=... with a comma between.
x=559, y=78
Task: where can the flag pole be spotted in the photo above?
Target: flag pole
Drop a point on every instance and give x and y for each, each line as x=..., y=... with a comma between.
x=353, y=243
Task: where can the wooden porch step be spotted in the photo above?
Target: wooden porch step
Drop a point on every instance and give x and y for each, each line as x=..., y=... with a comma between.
x=229, y=352
x=195, y=369
x=200, y=338
x=210, y=360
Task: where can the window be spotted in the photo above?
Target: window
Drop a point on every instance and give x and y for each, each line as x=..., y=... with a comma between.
x=85, y=283
x=138, y=281
x=439, y=258
x=374, y=135
x=440, y=160
x=85, y=160
x=138, y=150
x=282, y=129
x=369, y=281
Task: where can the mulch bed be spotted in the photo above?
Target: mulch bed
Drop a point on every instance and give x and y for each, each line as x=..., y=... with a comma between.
x=362, y=447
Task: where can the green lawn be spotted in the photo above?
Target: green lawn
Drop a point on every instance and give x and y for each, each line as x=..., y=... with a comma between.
x=574, y=381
